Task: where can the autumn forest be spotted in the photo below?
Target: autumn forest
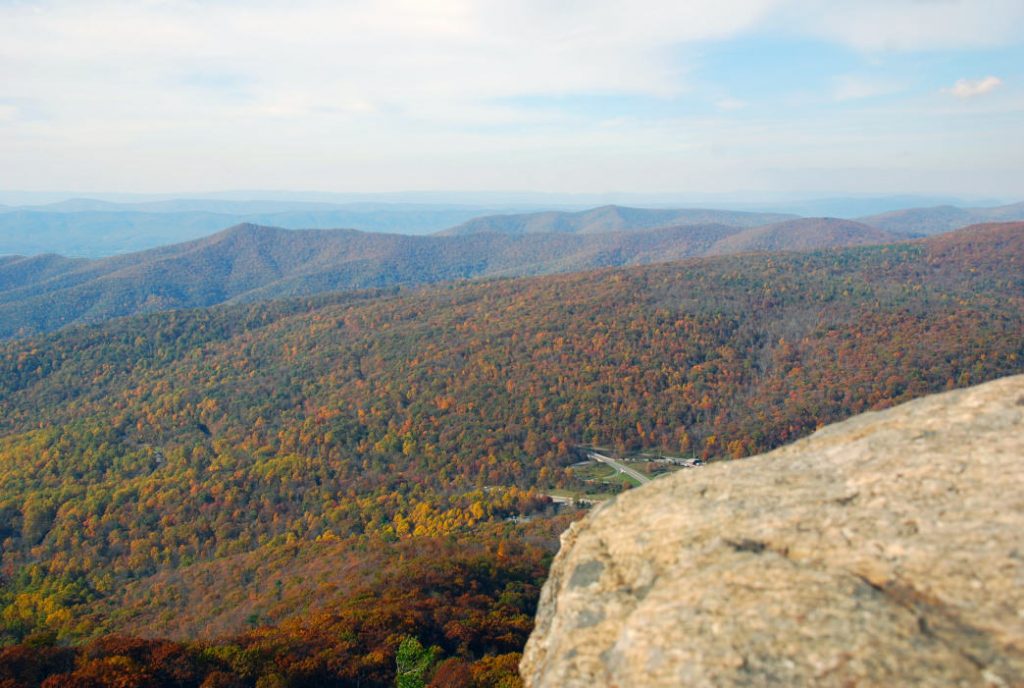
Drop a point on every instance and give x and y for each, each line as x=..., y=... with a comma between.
x=332, y=489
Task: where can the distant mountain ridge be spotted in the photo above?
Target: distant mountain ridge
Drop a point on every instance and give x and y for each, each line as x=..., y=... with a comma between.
x=803, y=234
x=610, y=218
x=309, y=466
x=943, y=218
x=250, y=262
x=182, y=205
x=96, y=229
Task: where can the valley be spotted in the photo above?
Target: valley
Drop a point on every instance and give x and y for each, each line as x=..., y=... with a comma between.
x=237, y=481
x=251, y=263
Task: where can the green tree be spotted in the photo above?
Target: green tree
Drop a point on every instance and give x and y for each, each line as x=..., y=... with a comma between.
x=413, y=663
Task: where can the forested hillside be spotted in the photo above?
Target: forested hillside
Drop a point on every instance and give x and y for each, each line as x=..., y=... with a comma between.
x=610, y=218
x=286, y=480
x=942, y=218
x=249, y=262
x=804, y=234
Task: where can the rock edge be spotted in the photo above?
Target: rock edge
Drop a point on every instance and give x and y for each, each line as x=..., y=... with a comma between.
x=887, y=549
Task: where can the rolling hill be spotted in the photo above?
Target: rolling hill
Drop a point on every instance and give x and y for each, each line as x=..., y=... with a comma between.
x=290, y=488
x=804, y=234
x=938, y=219
x=250, y=262
x=609, y=218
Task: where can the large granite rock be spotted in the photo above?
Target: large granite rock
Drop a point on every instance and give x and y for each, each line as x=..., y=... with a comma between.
x=881, y=551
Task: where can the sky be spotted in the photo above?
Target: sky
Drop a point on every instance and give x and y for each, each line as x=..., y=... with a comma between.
x=699, y=96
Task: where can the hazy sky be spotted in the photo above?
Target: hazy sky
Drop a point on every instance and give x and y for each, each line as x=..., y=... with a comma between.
x=552, y=95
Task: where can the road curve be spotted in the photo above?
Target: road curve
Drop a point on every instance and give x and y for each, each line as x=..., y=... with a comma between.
x=635, y=475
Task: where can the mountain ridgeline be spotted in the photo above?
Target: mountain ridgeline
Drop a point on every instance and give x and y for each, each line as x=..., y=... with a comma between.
x=944, y=218
x=251, y=262
x=610, y=218
x=90, y=228
x=284, y=490
x=93, y=228
x=282, y=466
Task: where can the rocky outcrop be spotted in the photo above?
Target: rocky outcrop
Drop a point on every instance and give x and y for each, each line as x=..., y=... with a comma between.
x=884, y=550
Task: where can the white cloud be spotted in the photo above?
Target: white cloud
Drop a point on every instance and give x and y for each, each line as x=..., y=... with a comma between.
x=380, y=50
x=730, y=104
x=320, y=93
x=908, y=25
x=113, y=75
x=111, y=60
x=969, y=88
x=856, y=87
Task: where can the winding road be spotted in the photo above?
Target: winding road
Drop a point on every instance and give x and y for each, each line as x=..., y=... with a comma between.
x=635, y=475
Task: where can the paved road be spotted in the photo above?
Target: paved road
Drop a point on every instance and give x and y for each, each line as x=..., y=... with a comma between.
x=635, y=475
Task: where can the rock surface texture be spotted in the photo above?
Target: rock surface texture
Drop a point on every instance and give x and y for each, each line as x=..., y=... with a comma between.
x=884, y=550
